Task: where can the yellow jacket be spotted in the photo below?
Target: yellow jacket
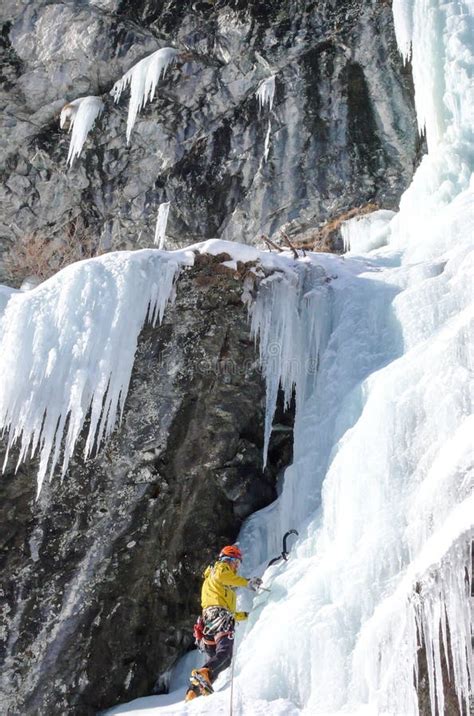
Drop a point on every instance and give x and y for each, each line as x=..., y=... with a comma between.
x=218, y=588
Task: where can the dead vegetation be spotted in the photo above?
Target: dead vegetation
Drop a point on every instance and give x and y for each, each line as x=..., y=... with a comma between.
x=40, y=256
x=326, y=237
x=323, y=238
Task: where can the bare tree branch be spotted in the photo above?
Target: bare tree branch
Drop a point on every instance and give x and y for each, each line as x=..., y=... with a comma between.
x=288, y=242
x=271, y=244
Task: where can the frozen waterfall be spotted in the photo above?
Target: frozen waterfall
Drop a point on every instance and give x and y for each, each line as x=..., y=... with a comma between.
x=382, y=481
x=377, y=347
x=381, y=486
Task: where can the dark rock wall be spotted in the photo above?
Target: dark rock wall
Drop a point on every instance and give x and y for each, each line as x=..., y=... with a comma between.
x=101, y=576
x=343, y=123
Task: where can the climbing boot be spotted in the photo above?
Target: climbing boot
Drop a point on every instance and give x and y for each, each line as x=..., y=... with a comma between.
x=202, y=679
x=192, y=693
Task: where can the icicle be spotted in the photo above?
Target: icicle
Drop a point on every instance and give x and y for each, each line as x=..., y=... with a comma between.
x=367, y=232
x=161, y=222
x=287, y=318
x=403, y=20
x=143, y=79
x=265, y=95
x=81, y=114
x=267, y=141
x=266, y=92
x=77, y=354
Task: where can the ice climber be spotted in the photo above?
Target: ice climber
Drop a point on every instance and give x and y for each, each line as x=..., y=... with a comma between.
x=214, y=630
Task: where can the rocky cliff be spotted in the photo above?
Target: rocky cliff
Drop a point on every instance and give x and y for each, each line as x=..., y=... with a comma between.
x=342, y=127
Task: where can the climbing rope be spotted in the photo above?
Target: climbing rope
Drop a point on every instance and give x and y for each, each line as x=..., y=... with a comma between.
x=232, y=680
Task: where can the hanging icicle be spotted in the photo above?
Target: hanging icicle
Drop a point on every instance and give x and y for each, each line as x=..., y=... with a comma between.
x=161, y=222
x=81, y=114
x=266, y=92
x=77, y=352
x=143, y=78
x=265, y=95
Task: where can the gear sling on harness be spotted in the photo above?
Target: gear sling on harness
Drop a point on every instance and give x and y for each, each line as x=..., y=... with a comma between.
x=214, y=624
x=214, y=635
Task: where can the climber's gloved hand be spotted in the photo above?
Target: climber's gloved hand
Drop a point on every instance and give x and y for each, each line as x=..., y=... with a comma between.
x=254, y=584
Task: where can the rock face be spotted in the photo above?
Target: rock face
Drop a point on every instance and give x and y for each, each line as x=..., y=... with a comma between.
x=342, y=128
x=101, y=575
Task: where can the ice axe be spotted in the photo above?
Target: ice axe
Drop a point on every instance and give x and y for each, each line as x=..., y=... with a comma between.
x=284, y=553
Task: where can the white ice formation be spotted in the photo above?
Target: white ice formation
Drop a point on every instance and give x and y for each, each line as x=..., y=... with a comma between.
x=367, y=232
x=75, y=357
x=143, y=79
x=266, y=146
x=161, y=222
x=266, y=92
x=286, y=314
x=382, y=484
x=81, y=114
x=265, y=95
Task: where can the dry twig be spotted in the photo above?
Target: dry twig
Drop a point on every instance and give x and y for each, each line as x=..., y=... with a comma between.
x=36, y=254
x=271, y=244
x=288, y=242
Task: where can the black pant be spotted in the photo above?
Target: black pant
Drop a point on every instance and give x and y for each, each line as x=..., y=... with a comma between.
x=220, y=656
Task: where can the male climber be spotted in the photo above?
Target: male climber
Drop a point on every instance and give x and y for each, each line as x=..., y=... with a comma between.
x=214, y=631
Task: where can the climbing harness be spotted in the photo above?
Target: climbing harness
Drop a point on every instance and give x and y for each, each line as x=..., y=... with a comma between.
x=215, y=623
x=217, y=620
x=284, y=553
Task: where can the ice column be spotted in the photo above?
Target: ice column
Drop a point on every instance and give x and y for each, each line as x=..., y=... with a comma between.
x=161, y=222
x=265, y=95
x=287, y=318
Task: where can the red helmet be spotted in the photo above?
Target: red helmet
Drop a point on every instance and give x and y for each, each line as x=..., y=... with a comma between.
x=231, y=551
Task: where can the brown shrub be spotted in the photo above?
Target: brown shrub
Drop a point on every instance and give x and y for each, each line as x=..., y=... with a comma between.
x=326, y=237
x=41, y=256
